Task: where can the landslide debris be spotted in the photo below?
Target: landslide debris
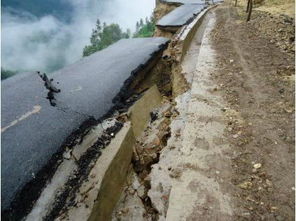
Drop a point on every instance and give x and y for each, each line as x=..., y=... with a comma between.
x=135, y=204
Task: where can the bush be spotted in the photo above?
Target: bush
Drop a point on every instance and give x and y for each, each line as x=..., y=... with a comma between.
x=145, y=30
x=104, y=36
x=6, y=73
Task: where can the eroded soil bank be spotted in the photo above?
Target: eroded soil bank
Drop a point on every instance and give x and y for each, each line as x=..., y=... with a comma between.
x=224, y=148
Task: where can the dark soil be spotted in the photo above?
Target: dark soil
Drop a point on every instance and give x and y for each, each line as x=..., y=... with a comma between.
x=256, y=77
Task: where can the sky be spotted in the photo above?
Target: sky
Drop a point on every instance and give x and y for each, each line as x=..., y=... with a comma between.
x=46, y=43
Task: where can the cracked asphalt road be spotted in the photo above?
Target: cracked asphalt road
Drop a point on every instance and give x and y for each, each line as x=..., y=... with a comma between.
x=33, y=130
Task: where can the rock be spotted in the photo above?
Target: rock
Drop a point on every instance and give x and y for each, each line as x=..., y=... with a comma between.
x=67, y=155
x=168, y=114
x=136, y=184
x=153, y=116
x=235, y=136
x=268, y=182
x=273, y=208
x=131, y=191
x=156, y=141
x=246, y=185
x=175, y=173
x=141, y=192
x=257, y=166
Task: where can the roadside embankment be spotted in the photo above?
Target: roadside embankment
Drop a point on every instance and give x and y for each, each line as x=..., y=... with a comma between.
x=133, y=92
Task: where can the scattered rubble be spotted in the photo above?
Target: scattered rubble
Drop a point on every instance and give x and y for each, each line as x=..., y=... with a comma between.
x=135, y=199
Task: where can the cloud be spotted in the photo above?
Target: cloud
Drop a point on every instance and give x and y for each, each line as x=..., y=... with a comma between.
x=46, y=44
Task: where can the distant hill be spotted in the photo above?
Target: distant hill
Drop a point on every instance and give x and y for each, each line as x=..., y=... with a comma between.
x=58, y=8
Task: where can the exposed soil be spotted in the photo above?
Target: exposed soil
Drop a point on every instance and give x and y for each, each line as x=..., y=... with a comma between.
x=162, y=9
x=256, y=78
x=279, y=29
x=135, y=204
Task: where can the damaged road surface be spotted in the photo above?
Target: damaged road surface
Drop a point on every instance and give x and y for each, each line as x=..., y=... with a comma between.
x=181, y=16
x=35, y=132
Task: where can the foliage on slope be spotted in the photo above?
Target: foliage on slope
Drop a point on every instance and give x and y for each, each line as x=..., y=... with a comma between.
x=103, y=36
x=6, y=73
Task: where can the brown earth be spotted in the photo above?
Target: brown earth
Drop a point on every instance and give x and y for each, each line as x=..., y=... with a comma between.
x=256, y=78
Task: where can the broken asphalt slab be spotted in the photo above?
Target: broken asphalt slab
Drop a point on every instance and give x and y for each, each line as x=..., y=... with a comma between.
x=181, y=15
x=33, y=130
x=201, y=2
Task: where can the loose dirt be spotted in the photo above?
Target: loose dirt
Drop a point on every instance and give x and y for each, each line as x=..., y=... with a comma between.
x=230, y=150
x=256, y=78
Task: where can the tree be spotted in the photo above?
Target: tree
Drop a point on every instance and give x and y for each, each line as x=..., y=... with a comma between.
x=145, y=30
x=6, y=73
x=141, y=23
x=137, y=26
x=104, y=36
x=249, y=9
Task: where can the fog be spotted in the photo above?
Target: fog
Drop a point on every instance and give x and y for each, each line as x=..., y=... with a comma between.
x=47, y=43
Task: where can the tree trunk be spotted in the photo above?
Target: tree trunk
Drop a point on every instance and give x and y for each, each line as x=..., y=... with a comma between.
x=250, y=10
x=248, y=6
x=235, y=4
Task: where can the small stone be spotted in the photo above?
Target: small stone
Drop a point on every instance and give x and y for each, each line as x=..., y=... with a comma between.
x=132, y=191
x=273, y=208
x=268, y=182
x=288, y=109
x=175, y=173
x=168, y=114
x=156, y=141
x=246, y=185
x=235, y=136
x=231, y=61
x=67, y=155
x=257, y=166
x=246, y=214
x=141, y=191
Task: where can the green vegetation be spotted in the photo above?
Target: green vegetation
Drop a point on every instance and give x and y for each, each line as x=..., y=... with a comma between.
x=6, y=73
x=104, y=36
x=144, y=30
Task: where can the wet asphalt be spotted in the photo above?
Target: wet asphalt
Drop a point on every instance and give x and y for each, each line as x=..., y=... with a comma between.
x=34, y=128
